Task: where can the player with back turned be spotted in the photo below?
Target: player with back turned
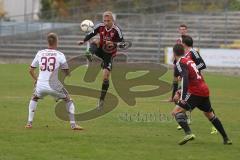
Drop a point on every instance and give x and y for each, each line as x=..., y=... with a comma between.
x=50, y=61
x=182, y=30
x=105, y=48
x=194, y=93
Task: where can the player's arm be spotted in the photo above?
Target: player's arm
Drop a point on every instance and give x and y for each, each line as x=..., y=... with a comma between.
x=184, y=75
x=198, y=60
x=64, y=66
x=175, y=82
x=32, y=68
x=90, y=35
x=119, y=37
x=33, y=73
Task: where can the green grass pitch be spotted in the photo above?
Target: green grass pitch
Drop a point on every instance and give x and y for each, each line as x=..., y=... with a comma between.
x=111, y=137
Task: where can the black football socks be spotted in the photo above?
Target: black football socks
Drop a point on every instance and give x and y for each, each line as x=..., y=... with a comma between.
x=181, y=118
x=105, y=86
x=218, y=125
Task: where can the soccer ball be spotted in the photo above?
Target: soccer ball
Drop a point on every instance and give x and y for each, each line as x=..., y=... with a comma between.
x=87, y=26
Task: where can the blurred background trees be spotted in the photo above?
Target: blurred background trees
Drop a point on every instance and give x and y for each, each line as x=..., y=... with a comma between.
x=64, y=8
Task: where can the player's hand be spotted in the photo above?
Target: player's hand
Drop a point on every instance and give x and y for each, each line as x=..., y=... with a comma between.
x=80, y=42
x=179, y=78
x=176, y=97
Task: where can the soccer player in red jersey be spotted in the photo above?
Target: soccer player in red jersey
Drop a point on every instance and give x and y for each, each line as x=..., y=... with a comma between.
x=105, y=48
x=194, y=93
x=182, y=29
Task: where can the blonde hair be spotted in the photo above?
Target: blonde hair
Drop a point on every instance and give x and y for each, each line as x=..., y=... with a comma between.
x=108, y=13
x=52, y=39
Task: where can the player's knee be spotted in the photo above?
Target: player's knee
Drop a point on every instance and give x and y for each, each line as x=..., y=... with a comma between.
x=177, y=110
x=96, y=42
x=35, y=98
x=181, y=116
x=106, y=74
x=67, y=99
x=209, y=115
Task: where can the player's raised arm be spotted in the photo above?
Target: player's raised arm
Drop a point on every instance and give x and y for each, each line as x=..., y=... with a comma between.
x=91, y=34
x=119, y=36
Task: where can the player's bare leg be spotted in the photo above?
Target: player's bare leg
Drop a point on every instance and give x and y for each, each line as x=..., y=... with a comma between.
x=181, y=117
x=105, y=86
x=218, y=125
x=31, y=109
x=71, y=111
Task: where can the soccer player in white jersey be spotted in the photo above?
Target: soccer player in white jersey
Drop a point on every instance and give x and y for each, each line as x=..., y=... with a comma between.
x=50, y=61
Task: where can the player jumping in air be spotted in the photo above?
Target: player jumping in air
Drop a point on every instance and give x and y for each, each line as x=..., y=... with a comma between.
x=105, y=48
x=49, y=62
x=194, y=93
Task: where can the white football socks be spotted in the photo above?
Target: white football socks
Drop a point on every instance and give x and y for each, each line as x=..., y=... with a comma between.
x=71, y=109
x=31, y=109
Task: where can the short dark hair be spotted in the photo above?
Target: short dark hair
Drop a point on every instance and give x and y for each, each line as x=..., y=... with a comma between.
x=52, y=38
x=183, y=25
x=178, y=49
x=187, y=40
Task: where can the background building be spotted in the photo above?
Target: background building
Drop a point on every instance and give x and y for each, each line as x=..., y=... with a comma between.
x=20, y=10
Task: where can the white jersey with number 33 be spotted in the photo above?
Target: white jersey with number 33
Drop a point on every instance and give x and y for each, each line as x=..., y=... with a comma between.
x=49, y=62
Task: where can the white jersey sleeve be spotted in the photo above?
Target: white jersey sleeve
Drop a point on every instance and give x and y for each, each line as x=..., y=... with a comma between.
x=35, y=62
x=63, y=62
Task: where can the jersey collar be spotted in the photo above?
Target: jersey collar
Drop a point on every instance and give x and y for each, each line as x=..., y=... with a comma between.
x=108, y=30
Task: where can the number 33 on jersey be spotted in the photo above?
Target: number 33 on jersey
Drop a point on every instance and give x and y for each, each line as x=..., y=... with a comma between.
x=49, y=61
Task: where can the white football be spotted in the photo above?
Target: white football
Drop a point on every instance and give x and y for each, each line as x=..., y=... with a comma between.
x=87, y=26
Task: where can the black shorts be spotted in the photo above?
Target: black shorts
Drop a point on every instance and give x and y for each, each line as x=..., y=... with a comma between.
x=192, y=101
x=106, y=57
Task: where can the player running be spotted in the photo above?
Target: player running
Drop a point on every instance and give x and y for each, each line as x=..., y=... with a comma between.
x=192, y=54
x=194, y=93
x=49, y=62
x=105, y=48
x=182, y=29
